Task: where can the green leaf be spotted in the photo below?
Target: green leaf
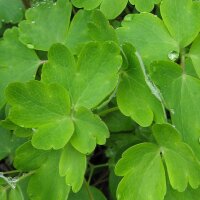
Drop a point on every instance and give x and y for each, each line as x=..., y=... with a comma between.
x=177, y=15
x=177, y=154
x=181, y=95
x=46, y=183
x=17, y=62
x=86, y=4
x=144, y=5
x=195, y=54
x=188, y=194
x=117, y=122
x=45, y=108
x=97, y=63
x=16, y=194
x=28, y=158
x=148, y=35
x=89, y=131
x=11, y=11
x=3, y=193
x=8, y=143
x=134, y=96
x=94, y=27
x=143, y=171
x=143, y=166
x=119, y=6
x=105, y=6
x=45, y=25
x=87, y=192
x=72, y=165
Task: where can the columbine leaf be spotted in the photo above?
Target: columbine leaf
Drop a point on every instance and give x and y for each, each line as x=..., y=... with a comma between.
x=143, y=166
x=177, y=154
x=148, y=35
x=195, y=55
x=89, y=131
x=177, y=15
x=29, y=158
x=105, y=6
x=72, y=165
x=38, y=30
x=83, y=194
x=181, y=94
x=3, y=193
x=97, y=63
x=143, y=171
x=45, y=108
x=17, y=62
x=46, y=183
x=8, y=143
x=94, y=27
x=144, y=5
x=134, y=97
x=11, y=11
x=16, y=194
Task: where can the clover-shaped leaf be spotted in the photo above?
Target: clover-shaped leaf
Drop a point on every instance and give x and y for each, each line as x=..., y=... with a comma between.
x=45, y=108
x=38, y=30
x=143, y=166
x=134, y=95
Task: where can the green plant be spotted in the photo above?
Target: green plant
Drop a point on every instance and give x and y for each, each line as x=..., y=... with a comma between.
x=86, y=101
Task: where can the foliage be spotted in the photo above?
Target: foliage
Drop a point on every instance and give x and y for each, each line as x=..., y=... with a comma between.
x=99, y=99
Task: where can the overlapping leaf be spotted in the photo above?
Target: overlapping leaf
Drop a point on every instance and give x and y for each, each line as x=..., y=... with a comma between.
x=17, y=62
x=195, y=55
x=181, y=94
x=134, y=96
x=177, y=15
x=72, y=165
x=45, y=108
x=93, y=26
x=105, y=6
x=11, y=11
x=143, y=169
x=148, y=35
x=97, y=63
x=46, y=183
x=46, y=24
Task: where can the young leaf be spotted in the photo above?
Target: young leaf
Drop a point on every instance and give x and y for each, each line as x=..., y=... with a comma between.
x=11, y=11
x=38, y=30
x=46, y=183
x=181, y=94
x=144, y=5
x=17, y=62
x=72, y=165
x=89, y=131
x=45, y=108
x=177, y=15
x=148, y=35
x=134, y=97
x=195, y=55
x=28, y=158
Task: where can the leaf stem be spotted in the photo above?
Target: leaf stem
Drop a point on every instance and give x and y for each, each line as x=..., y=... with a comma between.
x=88, y=190
x=10, y=172
x=183, y=59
